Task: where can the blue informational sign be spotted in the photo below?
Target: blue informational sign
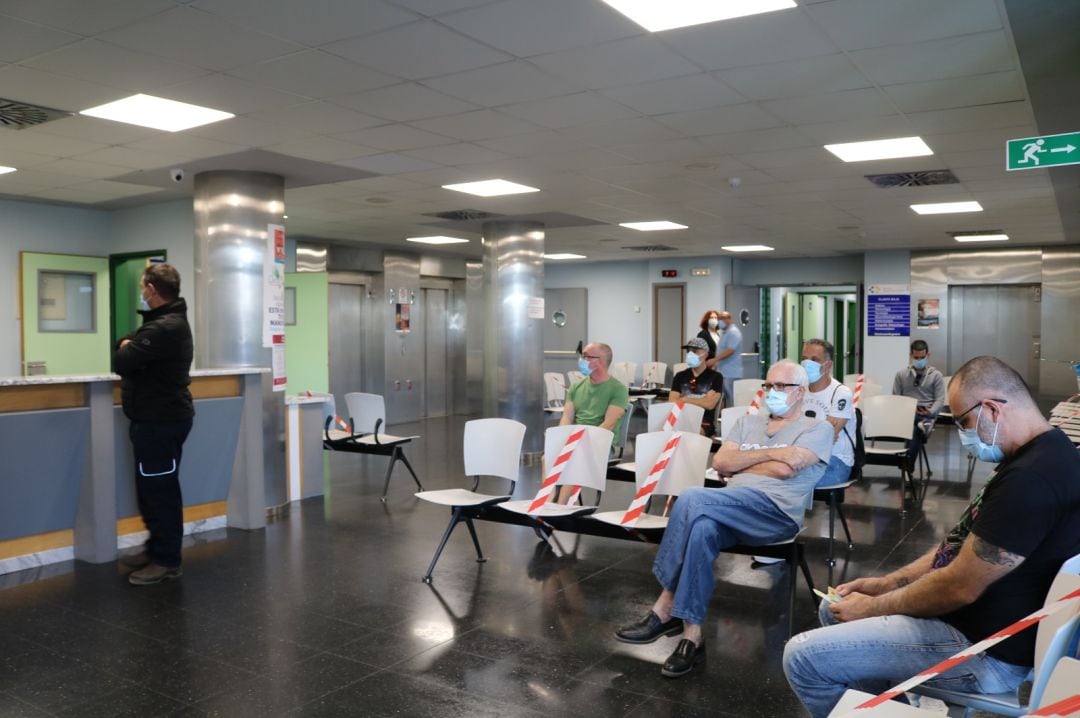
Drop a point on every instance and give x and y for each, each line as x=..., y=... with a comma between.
x=888, y=315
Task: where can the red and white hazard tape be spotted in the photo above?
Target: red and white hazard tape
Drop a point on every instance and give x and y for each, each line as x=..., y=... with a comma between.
x=673, y=417
x=755, y=405
x=1008, y=632
x=641, y=498
x=858, y=389
x=547, y=486
x=1065, y=707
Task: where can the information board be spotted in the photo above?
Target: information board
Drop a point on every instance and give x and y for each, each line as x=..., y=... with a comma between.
x=888, y=311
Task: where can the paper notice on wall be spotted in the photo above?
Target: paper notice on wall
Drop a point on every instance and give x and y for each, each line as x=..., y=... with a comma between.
x=274, y=284
x=277, y=362
x=536, y=308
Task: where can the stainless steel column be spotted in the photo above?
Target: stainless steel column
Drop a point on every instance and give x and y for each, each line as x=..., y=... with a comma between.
x=232, y=211
x=513, y=342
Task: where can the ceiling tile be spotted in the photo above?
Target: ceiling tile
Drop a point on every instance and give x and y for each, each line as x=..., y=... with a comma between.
x=753, y=40
x=1006, y=114
x=405, y=102
x=795, y=78
x=958, y=92
x=418, y=50
x=81, y=17
x=319, y=117
x=94, y=130
x=479, y=125
x=229, y=94
x=569, y=110
x=26, y=84
x=858, y=130
x=621, y=132
x=21, y=40
x=389, y=164
x=462, y=153
x=245, y=132
x=532, y=144
x=857, y=24
x=315, y=74
x=784, y=158
x=675, y=94
x=34, y=140
x=310, y=23
x=395, y=137
x=501, y=84
x=527, y=27
x=92, y=60
x=851, y=104
x=322, y=149
x=180, y=143
x=439, y=7
x=733, y=118
x=937, y=59
x=185, y=34
x=20, y=159
x=660, y=151
x=130, y=158
x=620, y=62
x=777, y=138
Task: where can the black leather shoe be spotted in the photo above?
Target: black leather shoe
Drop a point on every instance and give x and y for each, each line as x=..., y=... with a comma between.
x=648, y=629
x=682, y=661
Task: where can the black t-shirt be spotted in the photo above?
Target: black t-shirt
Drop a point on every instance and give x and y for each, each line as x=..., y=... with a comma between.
x=696, y=387
x=1031, y=507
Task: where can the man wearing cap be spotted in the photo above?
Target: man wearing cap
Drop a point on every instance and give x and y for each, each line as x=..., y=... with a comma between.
x=699, y=385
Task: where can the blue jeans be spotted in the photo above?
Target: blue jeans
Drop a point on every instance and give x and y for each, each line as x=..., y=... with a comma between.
x=874, y=654
x=704, y=523
x=837, y=472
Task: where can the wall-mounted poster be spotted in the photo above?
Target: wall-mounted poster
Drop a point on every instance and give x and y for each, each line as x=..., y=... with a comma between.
x=401, y=318
x=888, y=310
x=929, y=313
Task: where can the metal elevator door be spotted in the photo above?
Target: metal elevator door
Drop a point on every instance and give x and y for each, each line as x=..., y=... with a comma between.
x=1001, y=320
x=669, y=323
x=436, y=367
x=346, y=341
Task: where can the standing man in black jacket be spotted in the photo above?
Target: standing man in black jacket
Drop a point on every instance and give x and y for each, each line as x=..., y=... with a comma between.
x=154, y=364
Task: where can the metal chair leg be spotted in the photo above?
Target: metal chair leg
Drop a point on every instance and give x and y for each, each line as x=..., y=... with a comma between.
x=475, y=541
x=405, y=460
x=454, y=519
x=843, y=522
x=389, y=471
x=830, y=560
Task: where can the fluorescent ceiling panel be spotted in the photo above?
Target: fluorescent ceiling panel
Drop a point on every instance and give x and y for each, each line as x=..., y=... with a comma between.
x=564, y=255
x=652, y=226
x=747, y=248
x=5, y=170
x=981, y=237
x=436, y=240
x=880, y=149
x=946, y=207
x=491, y=188
x=656, y=16
x=157, y=113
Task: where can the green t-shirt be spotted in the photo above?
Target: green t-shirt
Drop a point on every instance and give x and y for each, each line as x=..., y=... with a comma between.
x=591, y=402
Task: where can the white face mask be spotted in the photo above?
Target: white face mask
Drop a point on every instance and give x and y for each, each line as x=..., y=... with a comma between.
x=713, y=322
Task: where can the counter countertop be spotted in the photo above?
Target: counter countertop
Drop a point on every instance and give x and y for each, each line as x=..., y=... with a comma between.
x=88, y=378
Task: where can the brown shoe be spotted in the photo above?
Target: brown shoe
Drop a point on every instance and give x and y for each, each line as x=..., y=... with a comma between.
x=136, y=560
x=154, y=573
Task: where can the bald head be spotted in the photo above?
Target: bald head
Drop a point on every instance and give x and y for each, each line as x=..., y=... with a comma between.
x=601, y=350
x=988, y=377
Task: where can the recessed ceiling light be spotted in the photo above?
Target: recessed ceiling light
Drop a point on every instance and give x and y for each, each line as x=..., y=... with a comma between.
x=747, y=248
x=652, y=226
x=436, y=240
x=996, y=236
x=157, y=113
x=946, y=207
x=491, y=188
x=880, y=149
x=564, y=255
x=5, y=170
x=656, y=16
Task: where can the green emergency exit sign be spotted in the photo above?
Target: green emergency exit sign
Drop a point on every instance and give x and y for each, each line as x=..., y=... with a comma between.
x=1047, y=151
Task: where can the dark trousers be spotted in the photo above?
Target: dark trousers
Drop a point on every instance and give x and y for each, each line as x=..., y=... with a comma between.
x=158, y=446
x=918, y=438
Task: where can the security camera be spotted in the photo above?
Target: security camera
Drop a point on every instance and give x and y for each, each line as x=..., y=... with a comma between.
x=734, y=182
x=177, y=175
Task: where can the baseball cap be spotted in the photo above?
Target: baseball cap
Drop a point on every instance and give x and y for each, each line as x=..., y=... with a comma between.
x=697, y=343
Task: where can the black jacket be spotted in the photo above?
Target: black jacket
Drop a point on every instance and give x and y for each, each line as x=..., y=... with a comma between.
x=154, y=367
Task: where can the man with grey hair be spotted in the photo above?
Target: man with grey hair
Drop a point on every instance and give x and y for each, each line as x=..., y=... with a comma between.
x=991, y=570
x=599, y=399
x=772, y=462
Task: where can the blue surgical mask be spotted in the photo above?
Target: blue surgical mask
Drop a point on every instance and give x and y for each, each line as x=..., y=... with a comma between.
x=693, y=360
x=144, y=306
x=919, y=363
x=583, y=366
x=813, y=369
x=776, y=401
x=978, y=448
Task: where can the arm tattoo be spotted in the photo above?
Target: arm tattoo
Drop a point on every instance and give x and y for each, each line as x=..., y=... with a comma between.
x=994, y=555
x=902, y=581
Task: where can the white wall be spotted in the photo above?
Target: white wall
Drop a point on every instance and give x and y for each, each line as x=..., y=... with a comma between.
x=884, y=356
x=846, y=269
x=32, y=227
x=169, y=226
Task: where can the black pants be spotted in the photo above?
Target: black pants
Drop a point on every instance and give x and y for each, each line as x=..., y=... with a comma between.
x=918, y=438
x=158, y=446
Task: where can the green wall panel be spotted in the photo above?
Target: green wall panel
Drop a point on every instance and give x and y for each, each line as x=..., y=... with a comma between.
x=307, y=343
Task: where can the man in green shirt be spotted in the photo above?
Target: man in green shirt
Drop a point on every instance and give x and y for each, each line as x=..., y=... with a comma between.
x=599, y=399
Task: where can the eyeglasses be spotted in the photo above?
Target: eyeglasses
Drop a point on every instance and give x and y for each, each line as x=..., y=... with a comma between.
x=770, y=385
x=588, y=357
x=957, y=419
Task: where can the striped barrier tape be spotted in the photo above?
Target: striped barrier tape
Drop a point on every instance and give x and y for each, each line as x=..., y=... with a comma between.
x=858, y=389
x=548, y=484
x=641, y=498
x=1065, y=707
x=673, y=417
x=1061, y=604
x=755, y=405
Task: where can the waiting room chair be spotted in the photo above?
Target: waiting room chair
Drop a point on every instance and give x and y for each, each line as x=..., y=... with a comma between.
x=889, y=709
x=624, y=436
x=744, y=390
x=554, y=392
x=573, y=377
x=728, y=417
x=492, y=447
x=624, y=371
x=676, y=368
x=1056, y=637
x=653, y=373
x=1064, y=683
x=689, y=418
x=888, y=421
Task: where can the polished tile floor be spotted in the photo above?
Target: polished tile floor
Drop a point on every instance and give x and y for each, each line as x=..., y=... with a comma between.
x=324, y=613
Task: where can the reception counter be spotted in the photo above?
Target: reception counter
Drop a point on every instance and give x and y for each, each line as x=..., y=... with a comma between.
x=66, y=482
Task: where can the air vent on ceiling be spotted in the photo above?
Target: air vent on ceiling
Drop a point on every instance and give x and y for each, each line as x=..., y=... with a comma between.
x=650, y=248
x=20, y=115
x=464, y=215
x=913, y=179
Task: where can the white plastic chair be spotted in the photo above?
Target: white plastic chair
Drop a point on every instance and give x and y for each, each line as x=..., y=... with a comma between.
x=685, y=469
x=689, y=419
x=1064, y=682
x=852, y=379
x=492, y=448
x=587, y=468
x=729, y=416
x=653, y=372
x=367, y=414
x=573, y=377
x=888, y=421
x=624, y=371
x=554, y=391
x=1056, y=636
x=676, y=368
x=889, y=709
x=745, y=390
